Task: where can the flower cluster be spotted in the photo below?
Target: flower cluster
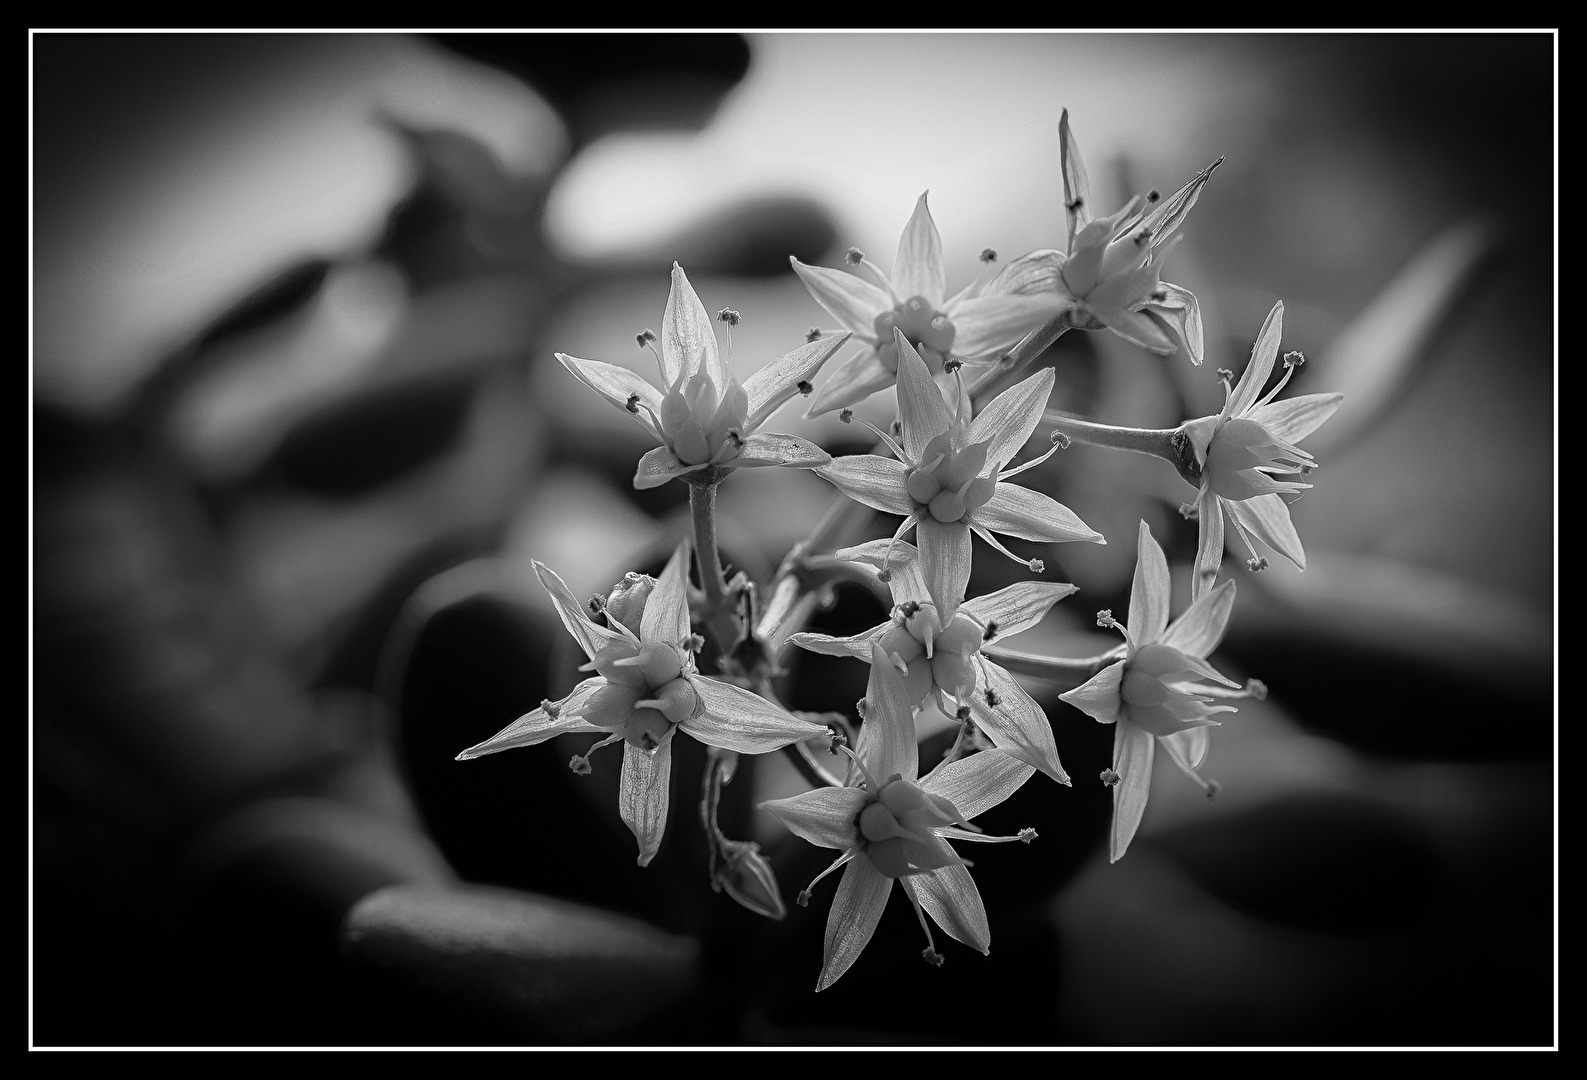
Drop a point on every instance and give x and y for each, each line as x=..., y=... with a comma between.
x=945, y=468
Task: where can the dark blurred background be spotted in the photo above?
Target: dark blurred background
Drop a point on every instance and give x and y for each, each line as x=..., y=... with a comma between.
x=297, y=431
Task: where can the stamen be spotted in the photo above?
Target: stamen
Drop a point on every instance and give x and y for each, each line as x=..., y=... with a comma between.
x=597, y=604
x=1110, y=778
x=1189, y=511
x=838, y=741
x=887, y=556
x=997, y=545
x=632, y=404
x=1026, y=835
x=990, y=632
x=1075, y=205
x=694, y=643
x=1037, y=566
x=579, y=764
x=855, y=257
x=813, y=334
x=729, y=316
x=1060, y=441
x=992, y=699
x=930, y=953
x=645, y=337
x=906, y=611
x=988, y=255
x=870, y=781
x=847, y=416
x=1153, y=195
x=962, y=713
x=952, y=365
x=803, y=899
x=554, y=710
x=1256, y=564
x=859, y=708
x=1292, y=360
x=805, y=387
x=1256, y=688
x=1106, y=620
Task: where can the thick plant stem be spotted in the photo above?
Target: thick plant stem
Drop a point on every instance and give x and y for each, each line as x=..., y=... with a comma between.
x=719, y=619
x=1158, y=443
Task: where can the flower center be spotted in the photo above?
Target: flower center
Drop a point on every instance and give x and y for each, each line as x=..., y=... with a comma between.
x=1242, y=454
x=897, y=828
x=1151, y=690
x=949, y=483
x=928, y=330
x=700, y=428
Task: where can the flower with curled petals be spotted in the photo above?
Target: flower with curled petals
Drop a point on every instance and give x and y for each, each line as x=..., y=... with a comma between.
x=1108, y=275
x=948, y=662
x=645, y=690
x=1160, y=691
x=706, y=422
x=890, y=824
x=914, y=300
x=948, y=477
x=1245, y=449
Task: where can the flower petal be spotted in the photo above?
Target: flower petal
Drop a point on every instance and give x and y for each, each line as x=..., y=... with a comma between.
x=666, y=616
x=1038, y=271
x=921, y=410
x=1268, y=517
x=1263, y=354
x=591, y=637
x=1016, y=725
x=848, y=298
x=917, y=268
x=857, y=647
x=766, y=448
x=658, y=466
x=856, y=909
x=900, y=558
x=779, y=380
x=823, y=816
x=642, y=795
x=738, y=719
x=979, y=782
x=1099, y=696
x=851, y=381
x=1016, y=607
x=1188, y=748
x=991, y=322
x=1149, y=593
x=1030, y=515
x=876, y=481
x=887, y=737
x=1132, y=760
x=1209, y=543
x=944, y=563
x=1200, y=627
x=1294, y=419
x=1007, y=421
x=1181, y=310
x=536, y=727
x=1077, y=186
x=619, y=385
x=1170, y=214
x=950, y=897
x=1136, y=327
x=688, y=341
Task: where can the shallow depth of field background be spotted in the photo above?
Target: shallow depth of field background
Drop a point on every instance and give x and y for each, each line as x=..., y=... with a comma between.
x=298, y=429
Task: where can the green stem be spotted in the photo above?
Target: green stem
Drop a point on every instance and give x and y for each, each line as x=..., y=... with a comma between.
x=1063, y=671
x=1156, y=442
x=719, y=619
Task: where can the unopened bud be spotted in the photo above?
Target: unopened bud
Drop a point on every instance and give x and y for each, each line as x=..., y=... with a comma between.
x=632, y=404
x=962, y=713
x=626, y=602
x=746, y=876
x=1213, y=787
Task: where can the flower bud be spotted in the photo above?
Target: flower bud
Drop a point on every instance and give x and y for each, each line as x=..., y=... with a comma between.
x=747, y=877
x=626, y=604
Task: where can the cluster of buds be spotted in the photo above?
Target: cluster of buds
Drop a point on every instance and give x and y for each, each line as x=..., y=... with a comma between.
x=945, y=469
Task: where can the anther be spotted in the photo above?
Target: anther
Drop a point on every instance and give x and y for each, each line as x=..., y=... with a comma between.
x=952, y=364
x=1105, y=619
x=1189, y=511
x=838, y=741
x=553, y=710
x=805, y=388
x=1294, y=359
x=1142, y=236
x=897, y=427
x=597, y=604
x=579, y=764
x=859, y=707
x=1255, y=688
x=846, y=415
x=1036, y=566
x=1213, y=787
x=1062, y=441
x=1005, y=358
x=1160, y=295
x=931, y=956
x=1226, y=374
x=1153, y=195
x=1077, y=204
x=1256, y=564
x=694, y=643
x=908, y=610
x=729, y=316
x=988, y=255
x=854, y=256
x=803, y=899
x=1110, y=778
x=1026, y=835
x=962, y=713
x=992, y=699
x=648, y=740
x=632, y=404
x=990, y=632
x=736, y=436
x=813, y=333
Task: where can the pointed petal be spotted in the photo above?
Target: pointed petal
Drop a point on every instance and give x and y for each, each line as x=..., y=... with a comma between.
x=1007, y=421
x=618, y=385
x=918, y=268
x=1099, y=696
x=658, y=466
x=1268, y=517
x=1200, y=627
x=1016, y=607
x=1149, y=593
x=767, y=448
x=666, y=616
x=779, y=380
x=1030, y=515
x=1137, y=328
x=1077, y=186
x=1170, y=214
x=992, y=322
x=1017, y=725
x=1132, y=760
x=857, y=647
x=536, y=727
x=824, y=816
x=856, y=909
x=979, y=782
x=887, y=737
x=944, y=563
x=950, y=897
x=688, y=342
x=876, y=481
x=738, y=719
x=1298, y=417
x=921, y=410
x=1036, y=272
x=1181, y=310
x=643, y=793
x=1209, y=543
x=1263, y=354
x=591, y=637
x=851, y=381
x=1188, y=748
x=849, y=299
